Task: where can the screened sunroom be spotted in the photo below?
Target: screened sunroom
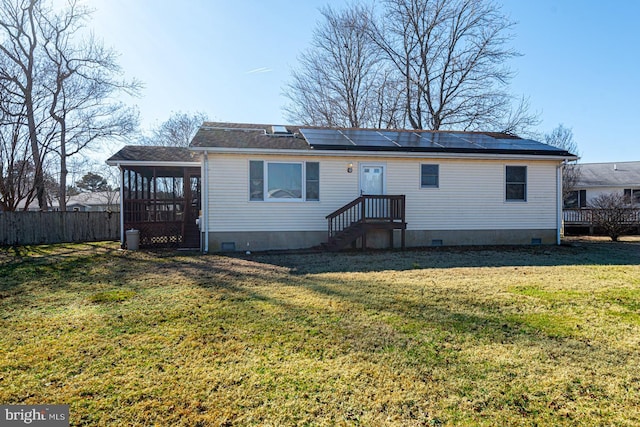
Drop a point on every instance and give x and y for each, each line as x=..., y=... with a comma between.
x=160, y=195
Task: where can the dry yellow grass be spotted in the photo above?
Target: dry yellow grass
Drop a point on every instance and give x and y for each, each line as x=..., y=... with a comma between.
x=491, y=336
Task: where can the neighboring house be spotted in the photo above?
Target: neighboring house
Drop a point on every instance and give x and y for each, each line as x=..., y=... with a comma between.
x=98, y=201
x=31, y=207
x=605, y=178
x=284, y=187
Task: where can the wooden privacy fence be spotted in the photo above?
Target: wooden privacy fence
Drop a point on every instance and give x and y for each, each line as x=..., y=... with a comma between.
x=32, y=228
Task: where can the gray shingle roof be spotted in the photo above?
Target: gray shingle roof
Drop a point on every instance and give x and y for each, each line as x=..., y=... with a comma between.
x=246, y=135
x=613, y=174
x=261, y=136
x=98, y=198
x=145, y=153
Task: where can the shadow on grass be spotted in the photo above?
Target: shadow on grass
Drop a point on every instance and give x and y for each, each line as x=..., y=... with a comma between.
x=453, y=314
x=374, y=320
x=60, y=266
x=328, y=316
x=588, y=253
x=69, y=267
x=381, y=319
x=87, y=268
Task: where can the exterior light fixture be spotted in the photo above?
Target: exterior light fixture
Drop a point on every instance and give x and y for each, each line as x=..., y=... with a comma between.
x=350, y=167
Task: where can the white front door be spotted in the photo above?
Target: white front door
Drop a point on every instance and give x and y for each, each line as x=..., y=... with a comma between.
x=371, y=179
x=372, y=184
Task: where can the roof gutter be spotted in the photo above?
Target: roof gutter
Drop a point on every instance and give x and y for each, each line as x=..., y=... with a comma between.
x=151, y=163
x=387, y=154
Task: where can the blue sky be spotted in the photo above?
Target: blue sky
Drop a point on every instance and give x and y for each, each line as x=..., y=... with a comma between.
x=231, y=60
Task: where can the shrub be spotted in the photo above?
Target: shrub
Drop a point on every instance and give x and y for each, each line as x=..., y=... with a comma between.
x=612, y=213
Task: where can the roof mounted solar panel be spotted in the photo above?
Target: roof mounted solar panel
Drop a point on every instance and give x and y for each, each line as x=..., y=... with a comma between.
x=368, y=138
x=478, y=140
x=402, y=138
x=442, y=140
x=347, y=139
x=421, y=140
x=530, y=144
x=325, y=138
x=490, y=143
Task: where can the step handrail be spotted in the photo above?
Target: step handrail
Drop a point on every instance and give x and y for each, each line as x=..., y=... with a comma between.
x=367, y=208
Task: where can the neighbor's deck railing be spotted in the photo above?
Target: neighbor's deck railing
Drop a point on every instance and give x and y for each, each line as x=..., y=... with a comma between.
x=584, y=216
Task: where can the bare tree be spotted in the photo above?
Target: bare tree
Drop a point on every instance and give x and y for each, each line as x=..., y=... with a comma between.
x=177, y=131
x=562, y=137
x=82, y=84
x=424, y=64
x=64, y=82
x=519, y=120
x=452, y=55
x=388, y=111
x=19, y=70
x=16, y=168
x=341, y=79
x=612, y=213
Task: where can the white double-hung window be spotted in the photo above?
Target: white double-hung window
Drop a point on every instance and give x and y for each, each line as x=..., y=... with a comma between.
x=516, y=183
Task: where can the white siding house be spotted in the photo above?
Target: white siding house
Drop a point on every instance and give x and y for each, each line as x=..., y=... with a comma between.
x=605, y=178
x=266, y=189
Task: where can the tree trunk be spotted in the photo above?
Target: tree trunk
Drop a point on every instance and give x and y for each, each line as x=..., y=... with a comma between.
x=38, y=180
x=31, y=120
x=62, y=193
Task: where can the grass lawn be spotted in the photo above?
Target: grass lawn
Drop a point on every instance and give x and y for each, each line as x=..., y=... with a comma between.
x=491, y=336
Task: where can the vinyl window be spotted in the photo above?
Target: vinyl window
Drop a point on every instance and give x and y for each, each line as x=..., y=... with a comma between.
x=633, y=195
x=576, y=199
x=516, y=183
x=429, y=176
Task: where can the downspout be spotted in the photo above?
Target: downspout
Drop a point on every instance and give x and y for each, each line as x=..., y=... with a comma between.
x=559, y=202
x=205, y=201
x=121, y=206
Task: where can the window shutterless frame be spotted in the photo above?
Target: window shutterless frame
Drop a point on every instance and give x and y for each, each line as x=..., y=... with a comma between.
x=633, y=195
x=575, y=199
x=429, y=175
x=516, y=183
